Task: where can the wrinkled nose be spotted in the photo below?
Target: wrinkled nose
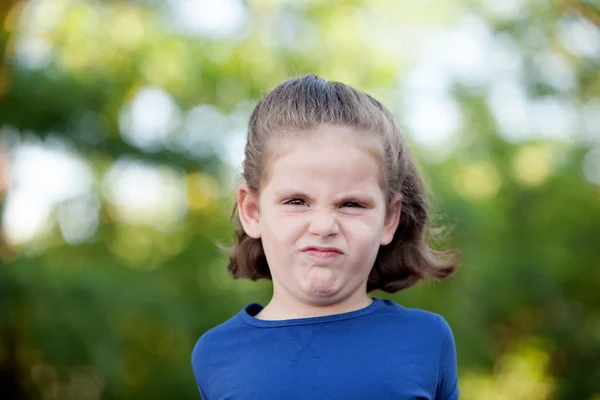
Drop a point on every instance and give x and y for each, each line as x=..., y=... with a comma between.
x=324, y=224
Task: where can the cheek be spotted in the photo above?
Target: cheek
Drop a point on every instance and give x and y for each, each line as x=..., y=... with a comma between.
x=283, y=227
x=365, y=228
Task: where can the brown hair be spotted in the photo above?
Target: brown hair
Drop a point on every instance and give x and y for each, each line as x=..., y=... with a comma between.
x=306, y=103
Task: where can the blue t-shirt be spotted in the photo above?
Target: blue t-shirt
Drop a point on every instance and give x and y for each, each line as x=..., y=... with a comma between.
x=383, y=351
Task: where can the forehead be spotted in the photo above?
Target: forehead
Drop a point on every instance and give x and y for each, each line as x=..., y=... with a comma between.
x=328, y=159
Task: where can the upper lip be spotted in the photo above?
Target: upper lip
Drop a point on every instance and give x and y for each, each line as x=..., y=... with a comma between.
x=320, y=248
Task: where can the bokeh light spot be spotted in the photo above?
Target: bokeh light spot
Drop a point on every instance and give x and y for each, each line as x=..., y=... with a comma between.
x=479, y=181
x=150, y=118
x=532, y=165
x=202, y=191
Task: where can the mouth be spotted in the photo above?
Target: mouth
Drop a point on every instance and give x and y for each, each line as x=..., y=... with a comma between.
x=322, y=252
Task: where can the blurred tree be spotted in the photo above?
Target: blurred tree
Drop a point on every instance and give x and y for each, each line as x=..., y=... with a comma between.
x=122, y=122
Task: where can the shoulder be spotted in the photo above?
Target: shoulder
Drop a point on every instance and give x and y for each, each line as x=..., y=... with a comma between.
x=218, y=333
x=415, y=319
x=209, y=343
x=206, y=352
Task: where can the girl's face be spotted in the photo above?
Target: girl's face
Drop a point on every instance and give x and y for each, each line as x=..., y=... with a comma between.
x=322, y=215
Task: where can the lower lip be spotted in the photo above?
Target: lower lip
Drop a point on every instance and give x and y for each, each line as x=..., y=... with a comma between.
x=322, y=254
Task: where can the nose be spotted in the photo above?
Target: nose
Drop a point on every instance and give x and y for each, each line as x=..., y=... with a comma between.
x=324, y=224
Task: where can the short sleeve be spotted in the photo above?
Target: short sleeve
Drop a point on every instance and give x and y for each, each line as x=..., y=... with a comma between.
x=447, y=387
x=203, y=396
x=197, y=358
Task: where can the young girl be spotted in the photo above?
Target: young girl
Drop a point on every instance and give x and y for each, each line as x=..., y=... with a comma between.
x=332, y=207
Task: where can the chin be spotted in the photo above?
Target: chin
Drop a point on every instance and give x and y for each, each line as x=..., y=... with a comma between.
x=321, y=282
x=322, y=295
x=321, y=292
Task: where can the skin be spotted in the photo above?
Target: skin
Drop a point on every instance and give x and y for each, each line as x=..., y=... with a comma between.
x=322, y=190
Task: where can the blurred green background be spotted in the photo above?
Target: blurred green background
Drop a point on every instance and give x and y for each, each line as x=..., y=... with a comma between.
x=122, y=126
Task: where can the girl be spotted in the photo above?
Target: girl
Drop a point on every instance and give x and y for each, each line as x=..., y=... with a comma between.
x=332, y=207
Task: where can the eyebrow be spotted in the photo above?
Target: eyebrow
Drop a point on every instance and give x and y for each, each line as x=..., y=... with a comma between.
x=289, y=193
x=359, y=197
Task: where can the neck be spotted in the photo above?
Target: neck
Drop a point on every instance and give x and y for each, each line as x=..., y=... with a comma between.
x=289, y=307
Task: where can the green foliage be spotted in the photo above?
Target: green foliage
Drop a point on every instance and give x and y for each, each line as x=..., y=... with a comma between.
x=115, y=315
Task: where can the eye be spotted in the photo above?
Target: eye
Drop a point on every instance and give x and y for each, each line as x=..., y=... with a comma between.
x=295, y=202
x=352, y=204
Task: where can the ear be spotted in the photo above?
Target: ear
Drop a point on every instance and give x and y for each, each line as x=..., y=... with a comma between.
x=392, y=219
x=248, y=210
